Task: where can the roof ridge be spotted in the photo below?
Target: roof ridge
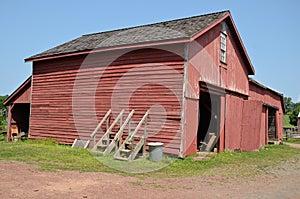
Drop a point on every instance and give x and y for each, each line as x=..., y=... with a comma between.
x=264, y=86
x=179, y=19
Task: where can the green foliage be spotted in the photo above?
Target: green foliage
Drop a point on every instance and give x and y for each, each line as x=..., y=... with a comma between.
x=286, y=122
x=2, y=137
x=290, y=105
x=292, y=109
x=294, y=116
x=3, y=121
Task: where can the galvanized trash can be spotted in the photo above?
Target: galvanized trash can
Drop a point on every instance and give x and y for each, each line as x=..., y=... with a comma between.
x=155, y=151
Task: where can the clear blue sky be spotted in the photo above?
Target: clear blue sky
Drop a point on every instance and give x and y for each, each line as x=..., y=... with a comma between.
x=269, y=29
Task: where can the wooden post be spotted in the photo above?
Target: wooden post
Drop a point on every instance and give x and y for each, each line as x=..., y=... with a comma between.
x=129, y=133
x=129, y=128
x=120, y=139
x=94, y=140
x=145, y=137
x=9, y=117
x=222, y=124
x=107, y=123
x=267, y=126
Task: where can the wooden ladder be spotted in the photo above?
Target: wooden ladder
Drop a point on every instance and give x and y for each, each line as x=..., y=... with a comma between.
x=128, y=150
x=105, y=118
x=103, y=146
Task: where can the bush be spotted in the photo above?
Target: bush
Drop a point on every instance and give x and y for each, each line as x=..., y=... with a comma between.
x=2, y=137
x=294, y=116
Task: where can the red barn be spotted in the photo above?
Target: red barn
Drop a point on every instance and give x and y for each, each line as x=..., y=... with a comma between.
x=191, y=74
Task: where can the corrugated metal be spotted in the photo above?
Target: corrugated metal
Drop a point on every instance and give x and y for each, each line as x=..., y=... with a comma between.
x=159, y=74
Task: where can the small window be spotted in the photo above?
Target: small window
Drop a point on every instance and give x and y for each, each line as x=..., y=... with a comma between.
x=223, y=48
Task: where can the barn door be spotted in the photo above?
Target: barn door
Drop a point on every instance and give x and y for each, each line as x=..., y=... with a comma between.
x=250, y=135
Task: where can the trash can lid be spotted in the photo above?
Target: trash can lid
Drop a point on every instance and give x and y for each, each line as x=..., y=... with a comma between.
x=155, y=144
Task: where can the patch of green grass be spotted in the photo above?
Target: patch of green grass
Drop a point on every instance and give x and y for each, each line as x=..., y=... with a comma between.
x=142, y=165
x=293, y=140
x=50, y=156
x=286, y=122
x=231, y=163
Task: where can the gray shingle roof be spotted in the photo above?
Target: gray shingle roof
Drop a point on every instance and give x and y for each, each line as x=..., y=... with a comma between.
x=169, y=30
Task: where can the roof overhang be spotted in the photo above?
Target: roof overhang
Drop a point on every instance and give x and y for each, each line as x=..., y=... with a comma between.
x=17, y=91
x=124, y=47
x=271, y=90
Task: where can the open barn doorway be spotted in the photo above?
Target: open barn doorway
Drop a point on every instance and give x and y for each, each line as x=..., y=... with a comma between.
x=20, y=120
x=272, y=135
x=208, y=122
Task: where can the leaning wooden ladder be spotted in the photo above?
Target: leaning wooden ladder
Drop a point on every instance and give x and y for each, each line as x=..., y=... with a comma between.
x=105, y=145
x=130, y=152
x=209, y=144
x=105, y=118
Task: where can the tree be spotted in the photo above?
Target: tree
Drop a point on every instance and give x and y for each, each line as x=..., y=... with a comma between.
x=288, y=104
x=294, y=116
x=3, y=109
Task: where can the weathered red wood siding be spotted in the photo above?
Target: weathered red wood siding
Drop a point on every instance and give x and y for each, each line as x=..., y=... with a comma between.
x=243, y=124
x=271, y=98
x=251, y=124
x=233, y=122
x=21, y=95
x=232, y=76
x=158, y=72
x=204, y=65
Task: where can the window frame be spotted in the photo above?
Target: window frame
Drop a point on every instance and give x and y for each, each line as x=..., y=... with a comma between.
x=223, y=47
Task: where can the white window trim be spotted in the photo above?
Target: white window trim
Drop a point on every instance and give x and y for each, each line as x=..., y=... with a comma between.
x=223, y=47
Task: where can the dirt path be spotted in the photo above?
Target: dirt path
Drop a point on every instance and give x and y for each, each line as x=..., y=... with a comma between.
x=292, y=145
x=19, y=180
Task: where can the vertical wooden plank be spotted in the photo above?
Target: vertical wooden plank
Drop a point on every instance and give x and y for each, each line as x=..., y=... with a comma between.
x=222, y=124
x=266, y=126
x=9, y=118
x=233, y=122
x=251, y=125
x=190, y=126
